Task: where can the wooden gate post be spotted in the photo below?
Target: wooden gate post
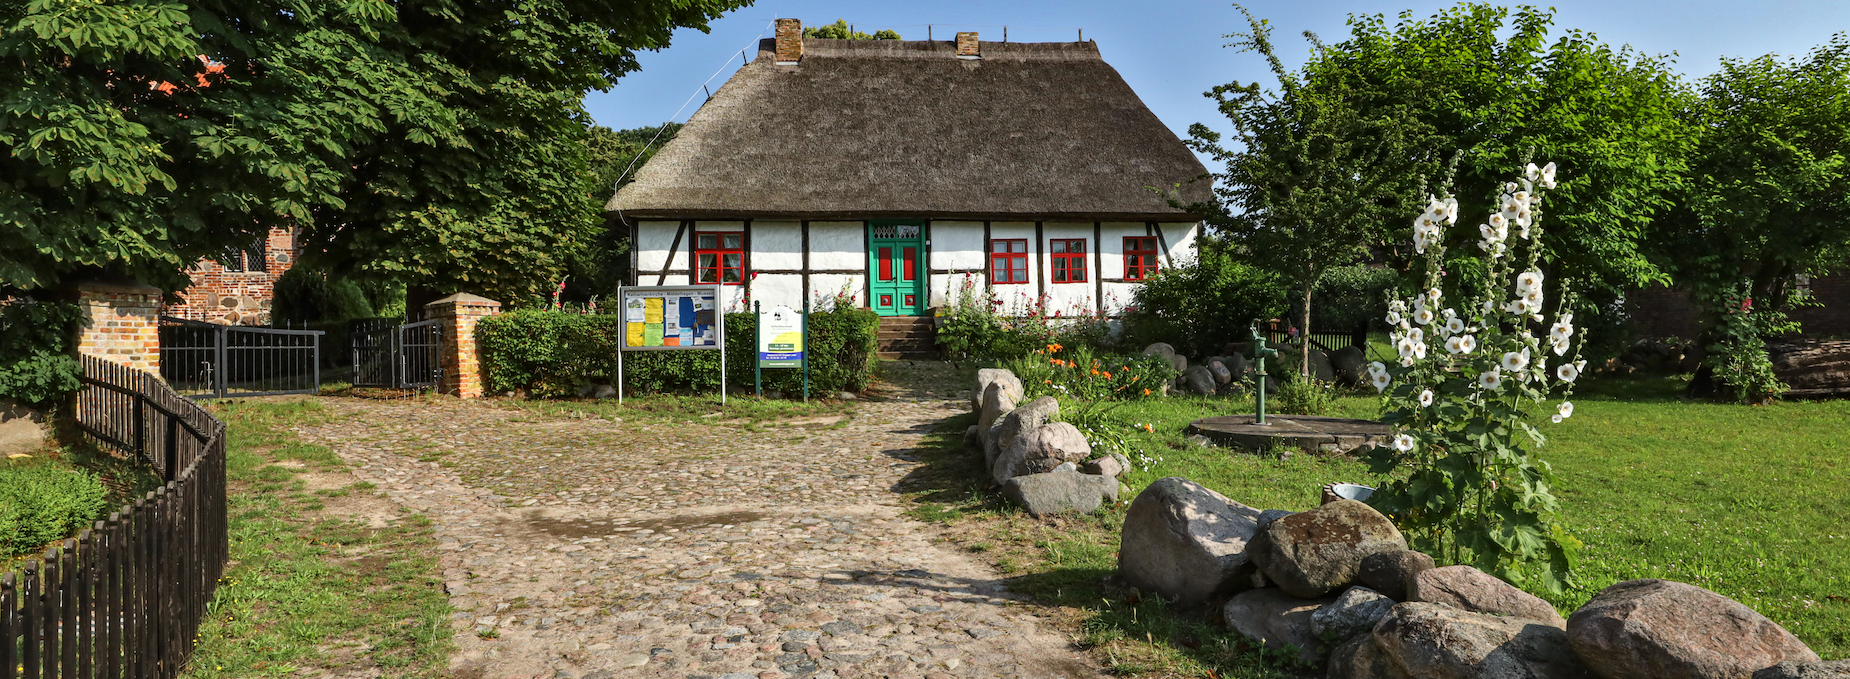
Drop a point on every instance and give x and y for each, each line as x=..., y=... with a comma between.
x=462, y=374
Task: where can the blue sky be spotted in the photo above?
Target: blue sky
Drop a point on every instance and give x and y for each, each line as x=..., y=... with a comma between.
x=1170, y=51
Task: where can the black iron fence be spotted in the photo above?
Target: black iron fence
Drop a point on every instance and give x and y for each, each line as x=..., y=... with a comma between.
x=403, y=356
x=1328, y=341
x=124, y=599
x=226, y=361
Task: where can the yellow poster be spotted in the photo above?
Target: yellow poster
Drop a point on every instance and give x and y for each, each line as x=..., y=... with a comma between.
x=652, y=312
x=632, y=334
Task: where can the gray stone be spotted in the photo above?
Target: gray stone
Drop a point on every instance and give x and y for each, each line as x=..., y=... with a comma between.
x=1180, y=362
x=800, y=635
x=1438, y=641
x=603, y=391
x=1104, y=466
x=1199, y=380
x=1362, y=658
x=22, y=430
x=1351, y=366
x=973, y=438
x=1186, y=542
x=840, y=627
x=1660, y=629
x=1313, y=553
x=1218, y=367
x=1834, y=669
x=1268, y=516
x=1060, y=492
x=846, y=396
x=1160, y=349
x=1389, y=572
x=1320, y=367
x=1469, y=589
x=1276, y=620
x=1067, y=466
x=996, y=403
x=1040, y=450
x=988, y=376
x=1025, y=418
x=1353, y=613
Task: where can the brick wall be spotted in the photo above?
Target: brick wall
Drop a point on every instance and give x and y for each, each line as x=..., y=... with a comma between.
x=1664, y=312
x=121, y=324
x=221, y=295
x=462, y=371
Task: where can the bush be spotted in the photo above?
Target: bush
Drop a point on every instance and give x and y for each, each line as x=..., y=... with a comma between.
x=1083, y=375
x=973, y=325
x=553, y=353
x=1349, y=297
x=41, y=503
x=1306, y=397
x=1197, y=307
x=35, y=363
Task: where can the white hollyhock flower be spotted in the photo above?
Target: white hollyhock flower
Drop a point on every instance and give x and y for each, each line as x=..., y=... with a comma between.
x=1419, y=350
x=1451, y=210
x=1529, y=280
x=1393, y=318
x=1499, y=223
x=1406, y=347
x=1566, y=409
x=1406, y=361
x=1561, y=331
x=1380, y=380
x=1467, y=344
x=1537, y=318
x=1559, y=345
x=1423, y=316
x=1434, y=295
x=1490, y=379
x=1518, y=306
x=1455, y=325
x=1511, y=187
x=1417, y=334
x=1548, y=175
x=1377, y=368
x=1556, y=419
x=1568, y=372
x=1403, y=443
x=1426, y=398
x=1520, y=198
x=1516, y=361
x=1452, y=345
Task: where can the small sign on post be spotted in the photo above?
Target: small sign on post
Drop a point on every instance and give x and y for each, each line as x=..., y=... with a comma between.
x=782, y=342
x=672, y=318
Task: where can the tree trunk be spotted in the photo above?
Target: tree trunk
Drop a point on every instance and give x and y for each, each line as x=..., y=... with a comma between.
x=1310, y=283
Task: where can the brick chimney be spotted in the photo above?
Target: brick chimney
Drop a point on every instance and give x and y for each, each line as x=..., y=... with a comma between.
x=789, y=41
x=966, y=45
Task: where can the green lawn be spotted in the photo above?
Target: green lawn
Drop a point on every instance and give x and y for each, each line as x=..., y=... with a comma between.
x=1741, y=500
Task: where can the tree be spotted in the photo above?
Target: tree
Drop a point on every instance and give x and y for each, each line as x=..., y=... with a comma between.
x=442, y=144
x=616, y=156
x=840, y=30
x=1610, y=119
x=1315, y=179
x=1768, y=201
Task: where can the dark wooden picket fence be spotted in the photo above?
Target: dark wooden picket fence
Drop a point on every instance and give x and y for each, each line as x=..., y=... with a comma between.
x=125, y=598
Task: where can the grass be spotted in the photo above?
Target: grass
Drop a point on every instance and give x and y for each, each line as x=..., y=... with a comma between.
x=1744, y=501
x=308, y=591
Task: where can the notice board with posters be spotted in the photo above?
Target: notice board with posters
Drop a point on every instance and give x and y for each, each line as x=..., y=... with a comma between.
x=672, y=318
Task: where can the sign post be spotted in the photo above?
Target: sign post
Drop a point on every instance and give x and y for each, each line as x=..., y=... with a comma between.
x=672, y=318
x=782, y=342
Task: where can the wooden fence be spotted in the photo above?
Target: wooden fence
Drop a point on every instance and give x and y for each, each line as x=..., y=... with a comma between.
x=125, y=598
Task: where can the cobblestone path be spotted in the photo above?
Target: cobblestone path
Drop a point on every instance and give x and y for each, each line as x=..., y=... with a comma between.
x=595, y=549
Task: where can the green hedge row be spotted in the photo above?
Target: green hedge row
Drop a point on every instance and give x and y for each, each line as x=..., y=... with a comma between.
x=40, y=503
x=550, y=354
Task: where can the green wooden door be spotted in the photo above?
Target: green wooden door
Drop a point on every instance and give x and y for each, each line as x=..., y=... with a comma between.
x=896, y=267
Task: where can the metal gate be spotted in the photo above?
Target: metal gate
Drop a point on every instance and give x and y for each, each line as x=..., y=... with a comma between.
x=200, y=359
x=399, y=356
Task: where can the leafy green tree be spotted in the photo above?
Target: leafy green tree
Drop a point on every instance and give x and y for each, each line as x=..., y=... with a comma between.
x=616, y=157
x=442, y=144
x=840, y=30
x=1315, y=178
x=1768, y=201
x=1487, y=82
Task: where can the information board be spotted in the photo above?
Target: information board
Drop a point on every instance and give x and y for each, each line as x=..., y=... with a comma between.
x=667, y=317
x=780, y=338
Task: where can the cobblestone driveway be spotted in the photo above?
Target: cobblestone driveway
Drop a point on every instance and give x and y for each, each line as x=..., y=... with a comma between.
x=592, y=549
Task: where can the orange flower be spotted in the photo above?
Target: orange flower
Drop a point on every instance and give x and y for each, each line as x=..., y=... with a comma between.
x=1095, y=371
x=1146, y=392
x=1149, y=428
x=1107, y=375
x=1048, y=381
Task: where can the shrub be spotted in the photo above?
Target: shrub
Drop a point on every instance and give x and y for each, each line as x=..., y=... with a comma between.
x=1199, y=306
x=553, y=353
x=1738, y=357
x=35, y=338
x=40, y=503
x=1349, y=297
x=1082, y=375
x=1306, y=397
x=974, y=325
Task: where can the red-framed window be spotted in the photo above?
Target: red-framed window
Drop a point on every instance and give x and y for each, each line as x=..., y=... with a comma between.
x=1008, y=260
x=1069, y=259
x=719, y=257
x=1139, y=257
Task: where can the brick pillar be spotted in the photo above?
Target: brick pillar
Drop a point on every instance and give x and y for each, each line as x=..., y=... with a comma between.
x=462, y=372
x=789, y=41
x=121, y=324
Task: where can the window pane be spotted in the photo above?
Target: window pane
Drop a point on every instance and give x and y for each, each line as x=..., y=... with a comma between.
x=1018, y=246
x=729, y=275
x=1076, y=246
x=733, y=260
x=1020, y=266
x=708, y=259
x=1059, y=272
x=1079, y=273
x=1057, y=246
x=998, y=272
x=735, y=241
x=706, y=241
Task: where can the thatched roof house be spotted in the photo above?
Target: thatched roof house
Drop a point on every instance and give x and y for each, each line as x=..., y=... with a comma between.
x=894, y=168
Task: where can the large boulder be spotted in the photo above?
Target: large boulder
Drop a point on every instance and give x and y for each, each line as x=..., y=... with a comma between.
x=1470, y=589
x=1217, y=366
x=1434, y=641
x=1659, y=629
x=1058, y=491
x=1362, y=658
x=1354, y=613
x=1024, y=418
x=1200, y=380
x=1389, y=572
x=1002, y=376
x=1351, y=366
x=1186, y=542
x=1160, y=349
x=22, y=430
x=1276, y=620
x=1109, y=465
x=1835, y=669
x=1040, y=450
x=1320, y=367
x=996, y=402
x=1313, y=553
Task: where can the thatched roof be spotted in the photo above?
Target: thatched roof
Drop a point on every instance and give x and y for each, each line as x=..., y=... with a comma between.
x=887, y=128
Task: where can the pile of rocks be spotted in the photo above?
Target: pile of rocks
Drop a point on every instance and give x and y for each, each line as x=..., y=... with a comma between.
x=1232, y=370
x=1043, y=465
x=1338, y=584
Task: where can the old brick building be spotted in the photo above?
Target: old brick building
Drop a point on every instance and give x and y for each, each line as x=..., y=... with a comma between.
x=237, y=287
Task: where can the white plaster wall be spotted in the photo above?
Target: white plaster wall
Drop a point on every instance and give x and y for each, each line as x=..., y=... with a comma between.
x=777, y=288
x=957, y=245
x=837, y=245
x=777, y=245
x=1070, y=299
x=1024, y=230
x=652, y=241
x=1181, y=237
x=827, y=285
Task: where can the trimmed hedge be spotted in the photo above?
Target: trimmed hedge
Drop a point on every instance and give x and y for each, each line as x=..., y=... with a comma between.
x=40, y=503
x=549, y=354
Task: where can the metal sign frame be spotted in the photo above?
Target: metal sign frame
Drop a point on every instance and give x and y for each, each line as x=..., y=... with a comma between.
x=759, y=363
x=718, y=294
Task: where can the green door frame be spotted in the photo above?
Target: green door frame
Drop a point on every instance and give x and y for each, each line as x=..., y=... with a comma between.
x=897, y=296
